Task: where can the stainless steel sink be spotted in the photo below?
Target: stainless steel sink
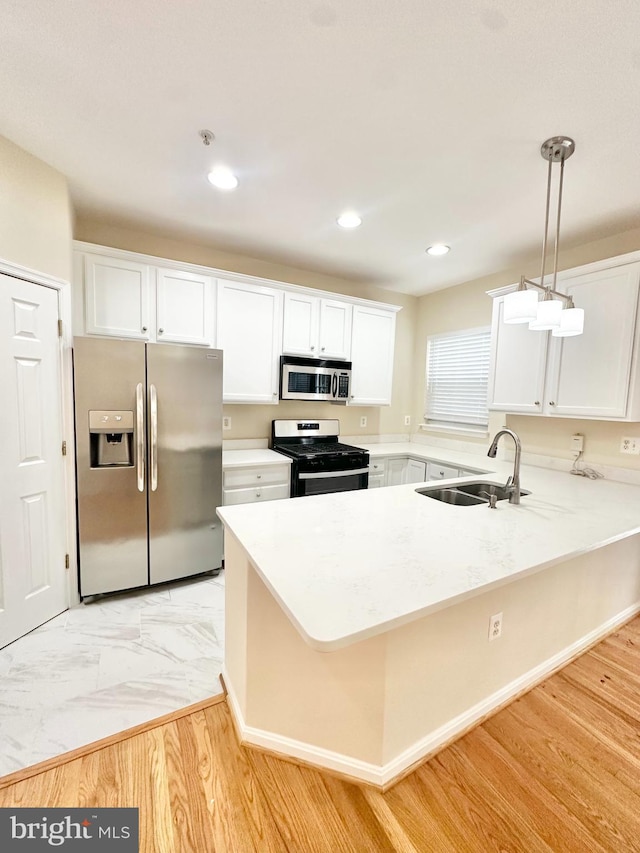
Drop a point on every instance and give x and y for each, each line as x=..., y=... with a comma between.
x=468, y=494
x=452, y=496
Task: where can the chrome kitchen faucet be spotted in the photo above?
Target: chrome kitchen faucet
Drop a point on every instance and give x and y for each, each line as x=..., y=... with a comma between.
x=513, y=483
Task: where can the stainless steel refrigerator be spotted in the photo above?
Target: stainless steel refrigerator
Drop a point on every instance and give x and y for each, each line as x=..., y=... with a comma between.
x=149, y=462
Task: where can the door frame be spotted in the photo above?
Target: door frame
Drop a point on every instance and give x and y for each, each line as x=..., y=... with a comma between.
x=63, y=289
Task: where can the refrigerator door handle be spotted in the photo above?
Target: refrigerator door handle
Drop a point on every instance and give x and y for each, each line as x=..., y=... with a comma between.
x=153, y=452
x=140, y=436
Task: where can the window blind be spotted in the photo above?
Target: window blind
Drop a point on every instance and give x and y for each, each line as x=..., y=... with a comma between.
x=458, y=378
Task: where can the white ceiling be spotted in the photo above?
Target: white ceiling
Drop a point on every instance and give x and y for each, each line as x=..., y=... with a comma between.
x=424, y=115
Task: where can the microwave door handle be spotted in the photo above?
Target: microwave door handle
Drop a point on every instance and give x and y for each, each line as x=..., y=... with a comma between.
x=153, y=445
x=334, y=385
x=140, y=436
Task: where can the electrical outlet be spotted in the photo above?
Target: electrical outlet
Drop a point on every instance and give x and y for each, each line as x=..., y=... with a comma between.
x=630, y=445
x=407, y=420
x=363, y=421
x=226, y=422
x=577, y=442
x=495, y=626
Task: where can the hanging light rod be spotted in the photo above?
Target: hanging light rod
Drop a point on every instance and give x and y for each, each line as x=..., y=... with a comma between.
x=523, y=306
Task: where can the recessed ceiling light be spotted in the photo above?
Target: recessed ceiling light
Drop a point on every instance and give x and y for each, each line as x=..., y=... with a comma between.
x=223, y=178
x=438, y=249
x=349, y=219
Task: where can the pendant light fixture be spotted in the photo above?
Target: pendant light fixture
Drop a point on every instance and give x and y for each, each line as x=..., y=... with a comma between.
x=556, y=311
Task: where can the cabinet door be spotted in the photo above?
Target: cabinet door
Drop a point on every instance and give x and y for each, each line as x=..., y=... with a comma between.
x=518, y=358
x=416, y=471
x=301, y=324
x=249, y=331
x=184, y=307
x=335, y=329
x=396, y=471
x=589, y=374
x=117, y=297
x=372, y=348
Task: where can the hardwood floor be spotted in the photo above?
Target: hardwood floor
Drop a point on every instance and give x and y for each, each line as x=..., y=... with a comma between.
x=558, y=770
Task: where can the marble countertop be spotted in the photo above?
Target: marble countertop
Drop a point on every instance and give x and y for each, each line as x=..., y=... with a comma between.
x=351, y=565
x=248, y=458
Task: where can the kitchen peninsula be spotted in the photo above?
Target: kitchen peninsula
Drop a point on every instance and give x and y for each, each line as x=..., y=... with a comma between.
x=357, y=623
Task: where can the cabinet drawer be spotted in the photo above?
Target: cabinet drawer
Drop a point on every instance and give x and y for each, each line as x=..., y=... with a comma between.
x=254, y=495
x=435, y=471
x=377, y=466
x=242, y=478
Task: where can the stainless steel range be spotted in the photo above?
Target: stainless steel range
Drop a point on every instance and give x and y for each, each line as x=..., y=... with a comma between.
x=321, y=464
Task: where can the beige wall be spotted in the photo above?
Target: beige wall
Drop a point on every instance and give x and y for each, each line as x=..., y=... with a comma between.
x=255, y=421
x=35, y=213
x=468, y=306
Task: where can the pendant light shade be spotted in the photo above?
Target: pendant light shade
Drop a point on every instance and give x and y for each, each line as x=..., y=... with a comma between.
x=549, y=313
x=571, y=323
x=521, y=306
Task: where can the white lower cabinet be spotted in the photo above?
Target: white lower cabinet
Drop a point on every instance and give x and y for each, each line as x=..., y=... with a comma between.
x=402, y=470
x=416, y=471
x=249, y=333
x=249, y=485
x=396, y=469
x=437, y=471
x=377, y=473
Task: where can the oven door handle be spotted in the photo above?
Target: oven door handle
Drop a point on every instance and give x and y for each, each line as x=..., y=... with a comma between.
x=322, y=475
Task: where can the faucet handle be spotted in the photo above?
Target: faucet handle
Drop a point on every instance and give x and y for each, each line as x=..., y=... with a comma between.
x=493, y=500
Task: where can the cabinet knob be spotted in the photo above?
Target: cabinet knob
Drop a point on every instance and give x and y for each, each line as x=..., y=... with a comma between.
x=144, y=328
x=537, y=403
x=312, y=349
x=551, y=403
x=375, y=466
x=322, y=349
x=259, y=476
x=257, y=494
x=160, y=331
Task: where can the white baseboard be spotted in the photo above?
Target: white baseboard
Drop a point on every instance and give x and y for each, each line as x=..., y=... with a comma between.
x=383, y=775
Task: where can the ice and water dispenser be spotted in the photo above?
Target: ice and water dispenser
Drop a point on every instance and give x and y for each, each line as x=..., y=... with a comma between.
x=111, y=439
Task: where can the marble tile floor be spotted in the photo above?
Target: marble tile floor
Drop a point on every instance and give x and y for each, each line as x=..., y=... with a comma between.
x=102, y=667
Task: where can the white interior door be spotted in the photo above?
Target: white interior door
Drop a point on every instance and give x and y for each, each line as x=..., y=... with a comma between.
x=33, y=585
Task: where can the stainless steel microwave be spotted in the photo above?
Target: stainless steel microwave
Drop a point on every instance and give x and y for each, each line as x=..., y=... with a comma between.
x=314, y=379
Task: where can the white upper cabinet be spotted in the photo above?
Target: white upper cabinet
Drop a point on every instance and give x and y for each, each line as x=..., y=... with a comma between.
x=128, y=295
x=249, y=331
x=518, y=362
x=593, y=375
x=117, y=297
x=590, y=375
x=184, y=307
x=372, y=350
x=316, y=327
x=126, y=298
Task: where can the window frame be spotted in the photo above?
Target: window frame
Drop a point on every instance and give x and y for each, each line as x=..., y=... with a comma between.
x=471, y=423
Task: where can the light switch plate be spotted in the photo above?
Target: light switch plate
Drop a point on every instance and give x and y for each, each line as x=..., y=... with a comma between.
x=226, y=422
